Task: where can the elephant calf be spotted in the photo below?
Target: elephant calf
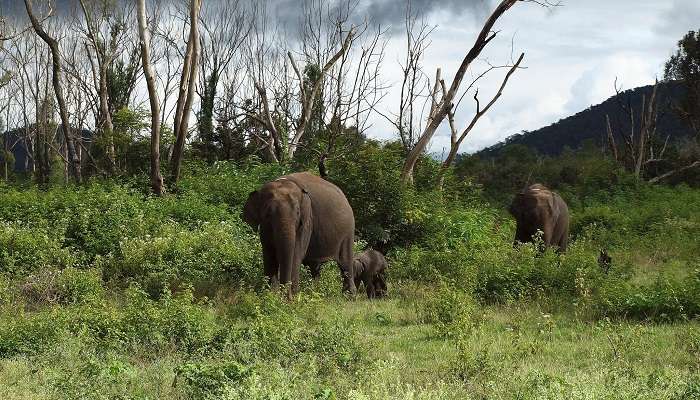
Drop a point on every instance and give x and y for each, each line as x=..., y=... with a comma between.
x=369, y=268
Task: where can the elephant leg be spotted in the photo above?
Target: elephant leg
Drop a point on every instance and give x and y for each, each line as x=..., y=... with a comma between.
x=358, y=281
x=295, y=279
x=563, y=239
x=518, y=236
x=380, y=284
x=271, y=266
x=345, y=262
x=314, y=269
x=548, y=234
x=369, y=285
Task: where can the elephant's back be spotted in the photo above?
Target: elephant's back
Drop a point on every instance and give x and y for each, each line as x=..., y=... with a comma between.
x=320, y=188
x=329, y=202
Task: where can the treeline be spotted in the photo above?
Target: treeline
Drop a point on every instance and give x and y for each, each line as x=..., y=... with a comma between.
x=650, y=132
x=580, y=175
x=152, y=82
x=113, y=89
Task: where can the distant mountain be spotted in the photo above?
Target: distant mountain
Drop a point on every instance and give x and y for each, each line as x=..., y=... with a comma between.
x=21, y=150
x=589, y=124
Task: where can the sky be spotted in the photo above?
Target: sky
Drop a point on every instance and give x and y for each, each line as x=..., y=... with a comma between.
x=573, y=54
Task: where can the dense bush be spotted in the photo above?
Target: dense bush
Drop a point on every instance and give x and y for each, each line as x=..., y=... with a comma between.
x=216, y=253
x=110, y=288
x=664, y=299
x=388, y=213
x=222, y=380
x=25, y=250
x=67, y=286
x=450, y=310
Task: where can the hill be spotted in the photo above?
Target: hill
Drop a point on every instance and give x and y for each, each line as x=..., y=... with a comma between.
x=589, y=124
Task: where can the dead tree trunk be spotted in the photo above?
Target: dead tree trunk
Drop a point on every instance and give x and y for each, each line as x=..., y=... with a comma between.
x=641, y=148
x=58, y=90
x=144, y=41
x=104, y=57
x=444, y=105
x=455, y=140
x=188, y=80
x=308, y=96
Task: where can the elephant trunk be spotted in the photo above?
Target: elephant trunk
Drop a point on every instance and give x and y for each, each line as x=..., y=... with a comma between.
x=285, y=240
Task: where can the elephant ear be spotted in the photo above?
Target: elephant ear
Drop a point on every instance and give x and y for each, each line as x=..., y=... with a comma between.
x=516, y=205
x=251, y=210
x=305, y=228
x=358, y=266
x=553, y=206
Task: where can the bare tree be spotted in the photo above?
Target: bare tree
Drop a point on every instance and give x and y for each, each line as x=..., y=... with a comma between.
x=104, y=26
x=266, y=69
x=642, y=149
x=415, y=83
x=188, y=80
x=145, y=43
x=224, y=29
x=337, y=84
x=440, y=109
x=166, y=57
x=58, y=89
x=457, y=138
x=309, y=94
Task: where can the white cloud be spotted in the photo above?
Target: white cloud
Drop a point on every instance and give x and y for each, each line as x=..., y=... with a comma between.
x=573, y=55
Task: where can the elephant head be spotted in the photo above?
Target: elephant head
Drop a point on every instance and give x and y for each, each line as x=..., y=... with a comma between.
x=532, y=206
x=250, y=211
x=536, y=208
x=357, y=267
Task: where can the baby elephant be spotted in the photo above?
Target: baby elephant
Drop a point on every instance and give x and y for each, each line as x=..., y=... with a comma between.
x=369, y=268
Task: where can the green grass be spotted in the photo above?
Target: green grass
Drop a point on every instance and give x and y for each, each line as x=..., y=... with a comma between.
x=109, y=294
x=529, y=350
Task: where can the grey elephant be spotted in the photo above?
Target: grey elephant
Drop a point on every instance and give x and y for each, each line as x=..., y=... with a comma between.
x=537, y=208
x=302, y=218
x=370, y=269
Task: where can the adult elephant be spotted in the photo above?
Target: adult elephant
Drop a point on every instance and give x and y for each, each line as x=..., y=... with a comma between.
x=302, y=218
x=537, y=208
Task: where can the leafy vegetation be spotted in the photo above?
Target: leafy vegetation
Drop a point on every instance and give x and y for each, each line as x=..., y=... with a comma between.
x=107, y=292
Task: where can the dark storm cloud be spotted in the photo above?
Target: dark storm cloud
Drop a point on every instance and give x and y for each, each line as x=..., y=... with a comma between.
x=387, y=13
x=15, y=8
x=288, y=13
x=392, y=12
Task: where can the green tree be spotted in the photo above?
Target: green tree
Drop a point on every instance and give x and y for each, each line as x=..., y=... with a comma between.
x=684, y=66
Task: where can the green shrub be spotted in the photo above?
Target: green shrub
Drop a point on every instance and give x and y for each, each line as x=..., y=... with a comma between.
x=25, y=250
x=76, y=286
x=665, y=299
x=212, y=381
x=68, y=286
x=30, y=334
x=139, y=322
x=336, y=346
x=415, y=263
x=450, y=310
x=225, y=182
x=388, y=213
x=214, y=254
x=172, y=320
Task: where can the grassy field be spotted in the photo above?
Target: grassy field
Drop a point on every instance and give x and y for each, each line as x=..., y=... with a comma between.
x=527, y=350
x=106, y=293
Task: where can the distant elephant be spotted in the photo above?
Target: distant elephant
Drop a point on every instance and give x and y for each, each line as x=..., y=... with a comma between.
x=302, y=218
x=538, y=208
x=370, y=269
